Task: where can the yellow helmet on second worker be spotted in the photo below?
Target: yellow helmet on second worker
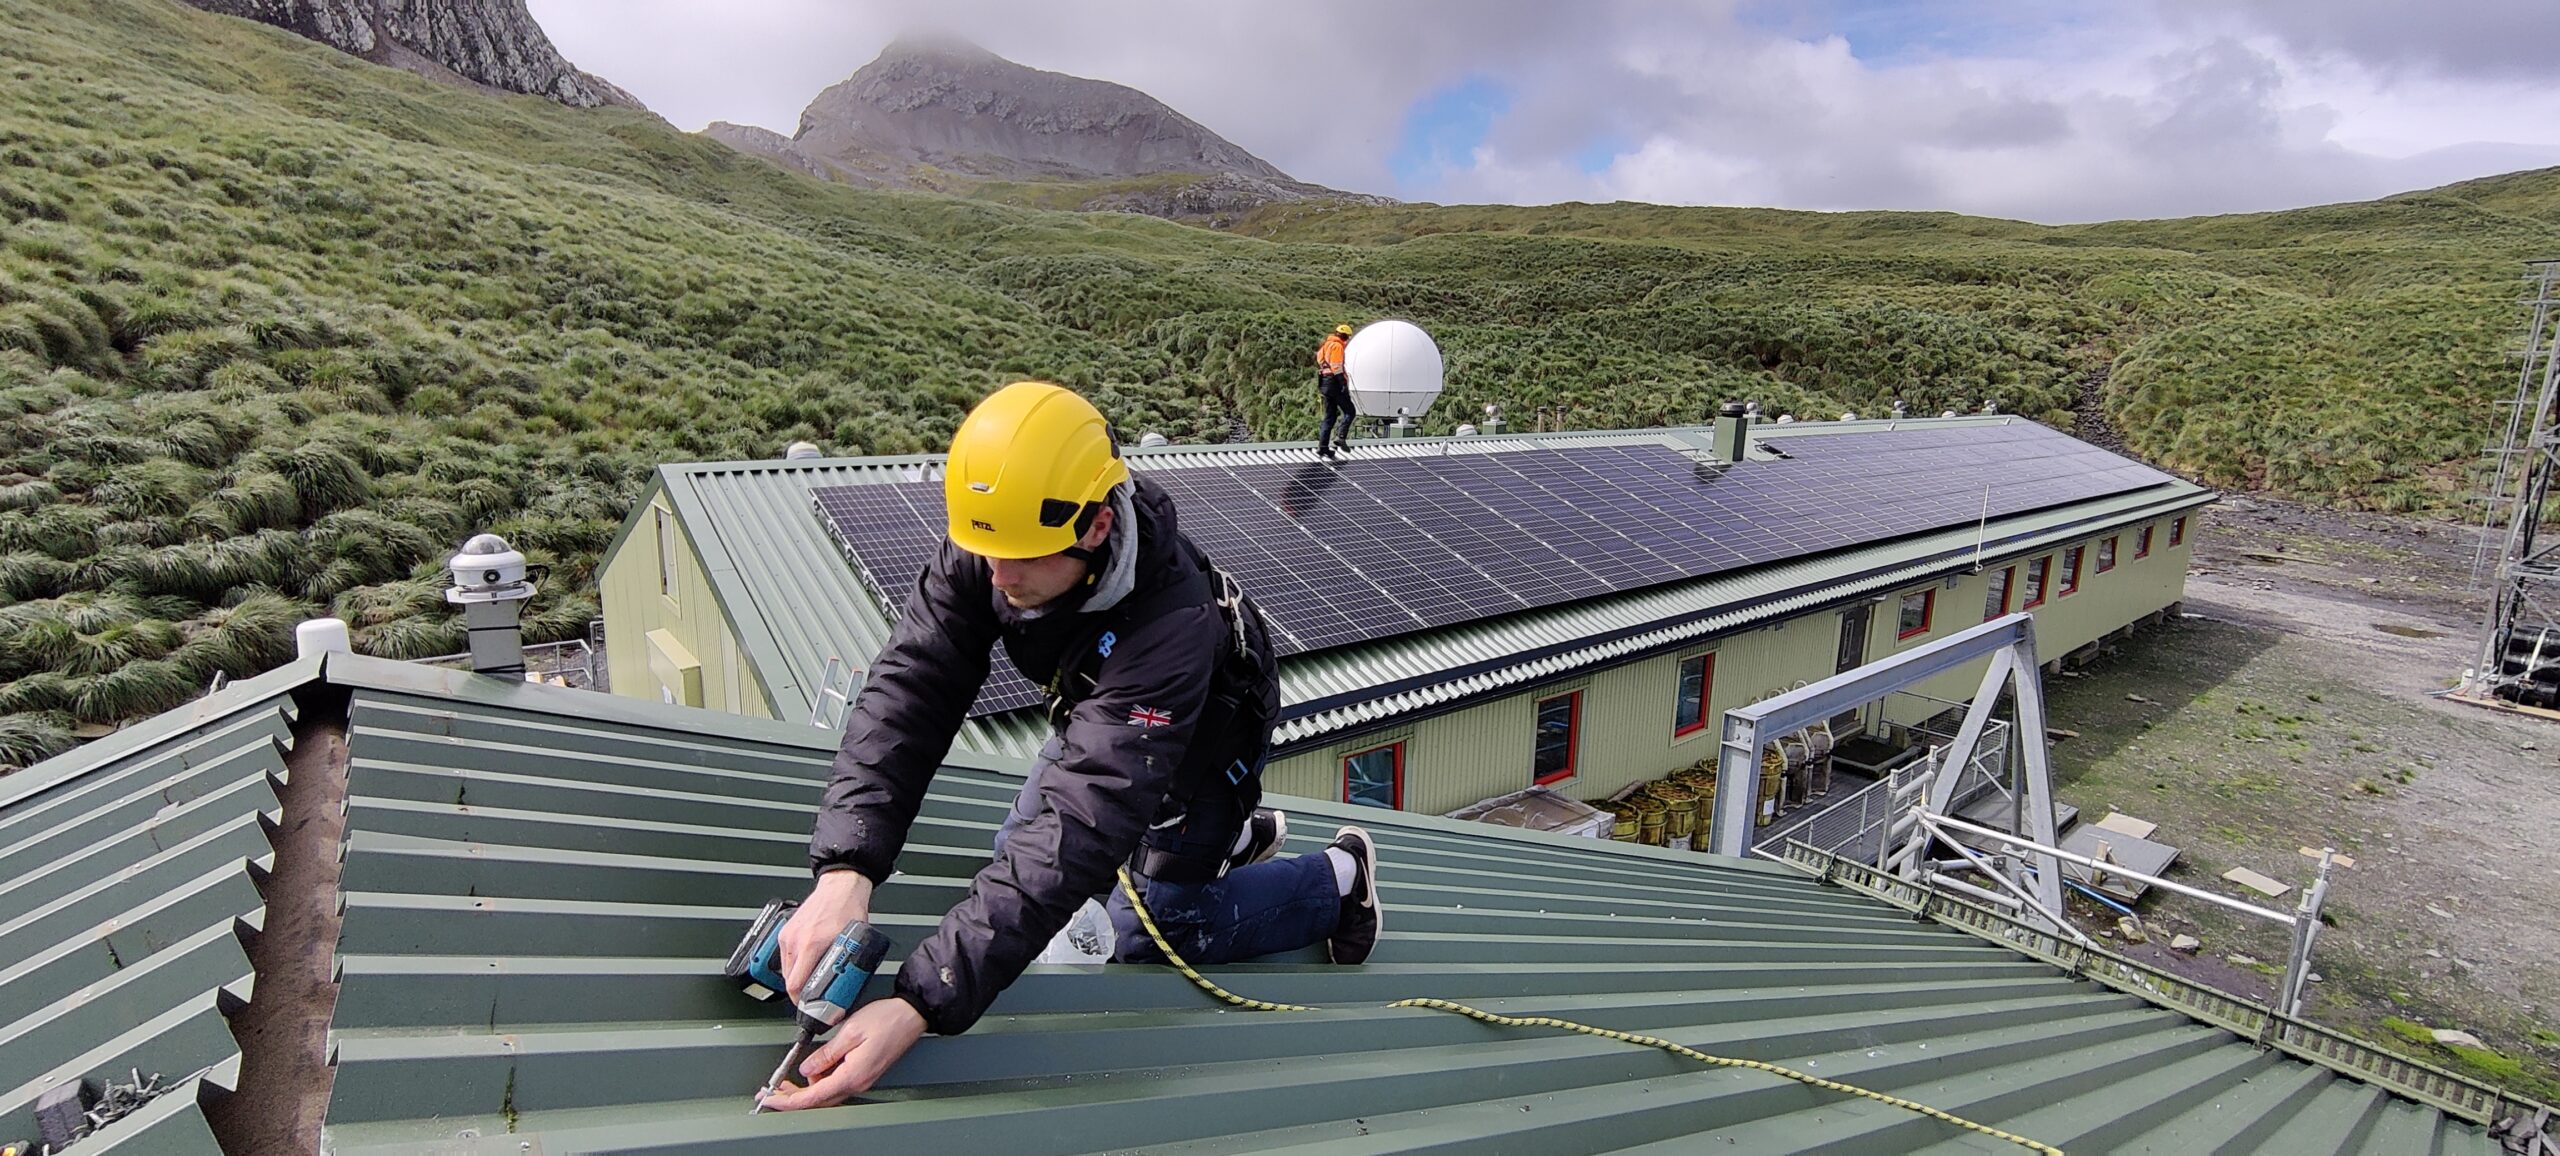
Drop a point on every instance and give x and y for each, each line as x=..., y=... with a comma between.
x=1344, y=330
x=1024, y=468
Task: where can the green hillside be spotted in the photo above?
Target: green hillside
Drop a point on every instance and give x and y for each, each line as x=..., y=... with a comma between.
x=278, y=328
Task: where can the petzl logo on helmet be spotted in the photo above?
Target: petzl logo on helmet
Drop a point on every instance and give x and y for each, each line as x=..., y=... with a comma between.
x=982, y=487
x=982, y=525
x=1109, y=640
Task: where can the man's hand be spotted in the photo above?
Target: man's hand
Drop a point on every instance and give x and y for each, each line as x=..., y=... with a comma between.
x=871, y=1039
x=837, y=899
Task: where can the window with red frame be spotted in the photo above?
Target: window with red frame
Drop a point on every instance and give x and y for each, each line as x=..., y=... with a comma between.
x=1995, y=600
x=1689, y=694
x=2178, y=532
x=2142, y=543
x=1558, y=734
x=2106, y=554
x=2036, y=573
x=1375, y=777
x=1918, y=607
x=2069, y=583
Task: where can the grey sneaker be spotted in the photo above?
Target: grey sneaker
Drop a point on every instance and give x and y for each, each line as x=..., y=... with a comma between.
x=1266, y=831
x=1355, y=932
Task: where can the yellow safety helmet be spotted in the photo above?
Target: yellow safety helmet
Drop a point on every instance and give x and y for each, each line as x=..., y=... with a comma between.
x=1344, y=330
x=1024, y=468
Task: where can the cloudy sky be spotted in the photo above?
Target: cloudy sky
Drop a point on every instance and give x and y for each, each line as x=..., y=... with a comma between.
x=2047, y=110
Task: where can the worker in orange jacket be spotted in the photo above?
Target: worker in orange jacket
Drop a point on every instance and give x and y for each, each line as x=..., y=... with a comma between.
x=1333, y=383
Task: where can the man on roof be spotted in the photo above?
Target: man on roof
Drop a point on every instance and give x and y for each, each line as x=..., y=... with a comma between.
x=1162, y=692
x=1333, y=387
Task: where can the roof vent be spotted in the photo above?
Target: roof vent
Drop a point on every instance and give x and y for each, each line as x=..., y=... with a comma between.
x=1949, y=413
x=1786, y=419
x=1900, y=409
x=1466, y=429
x=1151, y=439
x=1849, y=415
x=321, y=636
x=1733, y=430
x=1991, y=405
x=1492, y=420
x=802, y=451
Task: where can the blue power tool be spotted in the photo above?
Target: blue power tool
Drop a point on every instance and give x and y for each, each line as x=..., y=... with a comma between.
x=831, y=990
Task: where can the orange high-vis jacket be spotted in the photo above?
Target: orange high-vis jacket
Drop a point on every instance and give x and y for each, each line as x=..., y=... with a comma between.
x=1329, y=354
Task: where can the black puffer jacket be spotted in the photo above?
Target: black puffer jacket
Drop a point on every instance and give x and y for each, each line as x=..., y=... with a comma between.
x=1126, y=733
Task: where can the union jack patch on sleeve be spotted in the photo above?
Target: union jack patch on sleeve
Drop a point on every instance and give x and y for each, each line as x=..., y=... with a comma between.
x=1143, y=716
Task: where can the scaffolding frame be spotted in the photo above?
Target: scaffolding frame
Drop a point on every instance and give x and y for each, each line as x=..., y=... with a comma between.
x=2520, y=638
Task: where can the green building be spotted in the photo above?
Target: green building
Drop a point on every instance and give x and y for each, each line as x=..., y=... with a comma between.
x=725, y=590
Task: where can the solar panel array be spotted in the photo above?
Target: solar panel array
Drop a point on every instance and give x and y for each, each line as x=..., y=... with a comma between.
x=1368, y=548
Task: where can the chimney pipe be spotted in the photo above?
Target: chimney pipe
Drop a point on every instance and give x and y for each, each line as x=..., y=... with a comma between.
x=1733, y=431
x=490, y=586
x=1492, y=420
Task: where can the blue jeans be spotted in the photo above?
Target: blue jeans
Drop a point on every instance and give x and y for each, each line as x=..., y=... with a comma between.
x=1264, y=909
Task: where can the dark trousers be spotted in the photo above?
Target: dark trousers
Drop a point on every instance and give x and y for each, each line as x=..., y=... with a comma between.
x=1336, y=388
x=1264, y=909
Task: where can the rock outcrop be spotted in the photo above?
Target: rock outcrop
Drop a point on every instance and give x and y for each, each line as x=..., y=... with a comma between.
x=488, y=43
x=963, y=109
x=944, y=114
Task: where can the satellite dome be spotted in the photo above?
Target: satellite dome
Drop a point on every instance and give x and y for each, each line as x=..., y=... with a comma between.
x=1394, y=369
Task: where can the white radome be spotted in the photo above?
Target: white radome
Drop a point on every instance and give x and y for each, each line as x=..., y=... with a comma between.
x=1394, y=369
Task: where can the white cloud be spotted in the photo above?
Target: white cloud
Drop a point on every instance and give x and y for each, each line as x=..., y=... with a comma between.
x=2165, y=108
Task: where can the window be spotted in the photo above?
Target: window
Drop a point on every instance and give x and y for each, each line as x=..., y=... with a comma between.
x=2142, y=543
x=2036, y=572
x=666, y=527
x=2106, y=554
x=2178, y=532
x=1375, y=777
x=1559, y=727
x=1995, y=601
x=1689, y=694
x=2069, y=582
x=1917, y=608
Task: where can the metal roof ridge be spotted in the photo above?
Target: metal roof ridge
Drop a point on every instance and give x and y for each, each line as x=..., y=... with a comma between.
x=232, y=699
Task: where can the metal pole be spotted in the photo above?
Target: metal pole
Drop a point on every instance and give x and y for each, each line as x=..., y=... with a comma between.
x=2004, y=837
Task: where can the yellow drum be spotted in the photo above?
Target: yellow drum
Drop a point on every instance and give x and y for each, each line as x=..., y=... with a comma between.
x=1652, y=815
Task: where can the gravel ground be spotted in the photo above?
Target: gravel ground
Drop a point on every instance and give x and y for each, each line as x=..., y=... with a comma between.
x=2292, y=709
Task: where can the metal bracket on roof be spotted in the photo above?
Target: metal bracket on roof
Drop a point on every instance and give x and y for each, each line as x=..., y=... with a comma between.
x=2009, y=642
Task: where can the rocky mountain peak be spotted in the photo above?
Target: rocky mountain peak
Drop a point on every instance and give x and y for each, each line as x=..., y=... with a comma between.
x=484, y=43
x=940, y=101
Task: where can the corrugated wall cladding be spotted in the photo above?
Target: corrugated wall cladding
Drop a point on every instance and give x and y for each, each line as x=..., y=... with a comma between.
x=539, y=895
x=129, y=881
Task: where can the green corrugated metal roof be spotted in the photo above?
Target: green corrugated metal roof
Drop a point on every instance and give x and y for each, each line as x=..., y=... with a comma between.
x=539, y=886
x=128, y=884
x=795, y=601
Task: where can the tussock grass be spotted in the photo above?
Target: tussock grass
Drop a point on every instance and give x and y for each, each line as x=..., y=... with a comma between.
x=278, y=328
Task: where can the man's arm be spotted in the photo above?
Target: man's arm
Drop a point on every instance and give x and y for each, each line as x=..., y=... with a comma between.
x=1116, y=761
x=911, y=705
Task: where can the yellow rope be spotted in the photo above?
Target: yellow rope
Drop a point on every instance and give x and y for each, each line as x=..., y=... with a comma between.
x=1130, y=888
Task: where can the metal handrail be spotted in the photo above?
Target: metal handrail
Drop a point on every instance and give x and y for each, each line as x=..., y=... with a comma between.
x=2453, y=1093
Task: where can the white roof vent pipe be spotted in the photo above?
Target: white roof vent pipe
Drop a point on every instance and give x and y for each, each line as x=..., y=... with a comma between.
x=1466, y=429
x=321, y=636
x=802, y=451
x=1851, y=415
x=1394, y=368
x=489, y=584
x=1151, y=439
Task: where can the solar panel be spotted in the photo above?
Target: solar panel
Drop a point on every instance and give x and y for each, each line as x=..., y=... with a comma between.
x=1373, y=547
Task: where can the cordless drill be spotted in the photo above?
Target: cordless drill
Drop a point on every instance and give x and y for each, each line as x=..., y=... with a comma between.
x=828, y=995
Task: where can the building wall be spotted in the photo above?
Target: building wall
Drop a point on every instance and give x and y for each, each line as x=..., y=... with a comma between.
x=647, y=632
x=1455, y=759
